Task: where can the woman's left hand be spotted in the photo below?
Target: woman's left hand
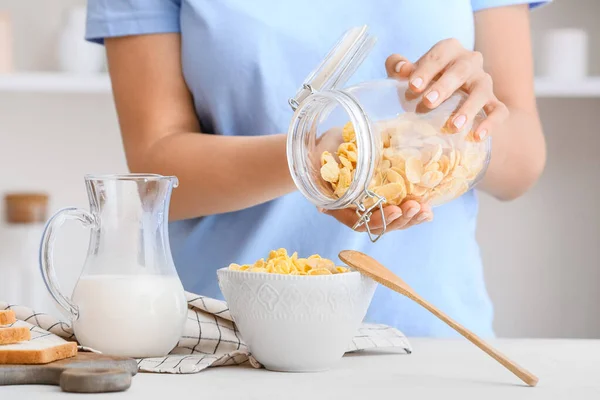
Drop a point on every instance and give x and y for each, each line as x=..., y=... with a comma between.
x=446, y=67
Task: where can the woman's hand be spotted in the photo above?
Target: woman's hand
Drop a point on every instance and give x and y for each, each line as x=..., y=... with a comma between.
x=409, y=214
x=446, y=67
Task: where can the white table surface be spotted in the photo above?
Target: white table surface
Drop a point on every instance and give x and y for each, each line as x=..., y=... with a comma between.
x=437, y=369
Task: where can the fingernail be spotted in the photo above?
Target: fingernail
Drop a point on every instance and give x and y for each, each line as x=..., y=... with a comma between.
x=321, y=210
x=422, y=217
x=398, y=66
x=482, y=134
x=417, y=82
x=459, y=121
x=394, y=216
x=432, y=96
x=412, y=212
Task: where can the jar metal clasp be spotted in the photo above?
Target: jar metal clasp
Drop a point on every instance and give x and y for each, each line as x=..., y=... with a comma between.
x=364, y=214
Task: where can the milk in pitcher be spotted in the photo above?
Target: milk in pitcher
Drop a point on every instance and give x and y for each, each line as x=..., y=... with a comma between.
x=129, y=315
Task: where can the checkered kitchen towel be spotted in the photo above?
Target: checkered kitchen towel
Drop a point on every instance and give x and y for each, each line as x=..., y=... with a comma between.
x=210, y=338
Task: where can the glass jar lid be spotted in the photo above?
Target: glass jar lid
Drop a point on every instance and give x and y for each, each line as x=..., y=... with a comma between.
x=338, y=65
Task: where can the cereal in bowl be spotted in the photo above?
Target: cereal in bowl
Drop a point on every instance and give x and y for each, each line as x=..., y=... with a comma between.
x=279, y=262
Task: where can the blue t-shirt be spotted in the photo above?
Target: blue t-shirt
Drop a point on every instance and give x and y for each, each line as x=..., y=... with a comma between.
x=242, y=61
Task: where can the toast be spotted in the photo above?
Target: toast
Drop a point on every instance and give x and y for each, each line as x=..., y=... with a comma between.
x=42, y=348
x=42, y=351
x=14, y=334
x=7, y=317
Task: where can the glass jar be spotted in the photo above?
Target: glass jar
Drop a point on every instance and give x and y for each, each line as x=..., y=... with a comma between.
x=20, y=279
x=375, y=143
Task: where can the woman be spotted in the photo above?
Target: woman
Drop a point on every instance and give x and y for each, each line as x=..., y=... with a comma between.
x=201, y=90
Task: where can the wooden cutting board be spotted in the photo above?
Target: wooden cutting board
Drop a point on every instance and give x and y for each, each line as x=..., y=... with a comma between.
x=85, y=373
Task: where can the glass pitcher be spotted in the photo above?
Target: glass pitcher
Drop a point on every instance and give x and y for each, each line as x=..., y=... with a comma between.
x=128, y=300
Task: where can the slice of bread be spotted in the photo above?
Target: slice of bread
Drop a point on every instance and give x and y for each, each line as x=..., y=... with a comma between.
x=14, y=334
x=40, y=351
x=7, y=317
x=44, y=347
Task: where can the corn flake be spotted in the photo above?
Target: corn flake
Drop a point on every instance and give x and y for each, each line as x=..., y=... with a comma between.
x=349, y=151
x=279, y=262
x=348, y=133
x=345, y=162
x=414, y=169
x=345, y=179
x=319, y=271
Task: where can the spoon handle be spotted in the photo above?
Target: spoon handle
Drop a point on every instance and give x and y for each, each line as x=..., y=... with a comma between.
x=384, y=276
x=513, y=367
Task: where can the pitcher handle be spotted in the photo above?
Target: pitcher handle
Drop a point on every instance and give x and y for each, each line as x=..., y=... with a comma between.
x=47, y=250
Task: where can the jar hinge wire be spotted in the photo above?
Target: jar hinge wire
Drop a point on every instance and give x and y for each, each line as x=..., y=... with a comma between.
x=294, y=103
x=364, y=214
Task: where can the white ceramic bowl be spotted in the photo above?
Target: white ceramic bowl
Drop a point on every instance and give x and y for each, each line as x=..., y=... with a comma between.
x=297, y=323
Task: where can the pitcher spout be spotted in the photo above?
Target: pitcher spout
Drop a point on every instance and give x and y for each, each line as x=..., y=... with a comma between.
x=174, y=181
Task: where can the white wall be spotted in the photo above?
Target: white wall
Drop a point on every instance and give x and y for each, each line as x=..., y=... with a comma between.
x=541, y=252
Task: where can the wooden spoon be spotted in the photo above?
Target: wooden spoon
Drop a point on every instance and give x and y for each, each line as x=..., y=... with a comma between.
x=371, y=268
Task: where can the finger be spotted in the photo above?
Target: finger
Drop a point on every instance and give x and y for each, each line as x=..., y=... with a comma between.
x=455, y=76
x=426, y=207
x=425, y=215
x=419, y=219
x=391, y=213
x=348, y=217
x=433, y=62
x=398, y=66
x=409, y=210
x=481, y=93
x=497, y=113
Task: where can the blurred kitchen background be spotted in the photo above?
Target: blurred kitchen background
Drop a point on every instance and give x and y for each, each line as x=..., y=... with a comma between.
x=541, y=252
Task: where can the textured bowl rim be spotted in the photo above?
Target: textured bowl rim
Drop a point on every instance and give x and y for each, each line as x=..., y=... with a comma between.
x=256, y=275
